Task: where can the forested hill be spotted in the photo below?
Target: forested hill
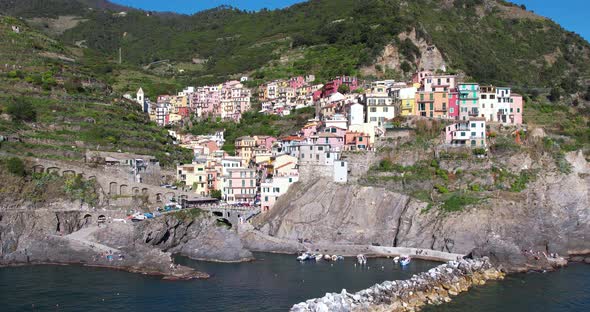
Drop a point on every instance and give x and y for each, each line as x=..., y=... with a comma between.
x=492, y=41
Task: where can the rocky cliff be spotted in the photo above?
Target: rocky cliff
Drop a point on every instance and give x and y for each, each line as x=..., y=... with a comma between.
x=551, y=215
x=70, y=237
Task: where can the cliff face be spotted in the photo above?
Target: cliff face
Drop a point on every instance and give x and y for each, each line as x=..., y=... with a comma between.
x=551, y=215
x=56, y=236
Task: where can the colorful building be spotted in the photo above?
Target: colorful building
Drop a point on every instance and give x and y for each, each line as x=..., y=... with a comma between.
x=239, y=186
x=468, y=100
x=425, y=104
x=466, y=133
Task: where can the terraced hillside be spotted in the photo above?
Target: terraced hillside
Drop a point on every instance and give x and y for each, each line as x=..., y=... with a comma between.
x=54, y=102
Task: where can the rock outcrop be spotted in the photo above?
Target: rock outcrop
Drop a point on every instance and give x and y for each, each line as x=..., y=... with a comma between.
x=435, y=286
x=65, y=237
x=551, y=216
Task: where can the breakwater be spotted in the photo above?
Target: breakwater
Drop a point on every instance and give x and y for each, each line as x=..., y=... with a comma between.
x=435, y=286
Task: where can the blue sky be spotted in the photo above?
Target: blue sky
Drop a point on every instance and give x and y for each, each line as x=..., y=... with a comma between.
x=573, y=15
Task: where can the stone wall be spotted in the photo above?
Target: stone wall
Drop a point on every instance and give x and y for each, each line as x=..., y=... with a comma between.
x=435, y=286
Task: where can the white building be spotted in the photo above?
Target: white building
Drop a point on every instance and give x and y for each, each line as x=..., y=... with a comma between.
x=338, y=121
x=162, y=115
x=488, y=107
x=140, y=97
x=356, y=115
x=341, y=171
x=271, y=190
x=380, y=107
x=503, y=102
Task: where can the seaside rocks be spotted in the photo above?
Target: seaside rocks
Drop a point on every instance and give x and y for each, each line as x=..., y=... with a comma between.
x=432, y=287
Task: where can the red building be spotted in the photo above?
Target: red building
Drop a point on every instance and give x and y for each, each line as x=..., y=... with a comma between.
x=331, y=87
x=453, y=97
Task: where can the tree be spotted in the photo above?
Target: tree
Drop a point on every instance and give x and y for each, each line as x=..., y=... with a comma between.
x=22, y=110
x=555, y=94
x=587, y=95
x=343, y=89
x=216, y=194
x=406, y=67
x=16, y=166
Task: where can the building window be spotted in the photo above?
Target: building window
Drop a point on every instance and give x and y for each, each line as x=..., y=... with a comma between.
x=373, y=109
x=341, y=164
x=473, y=125
x=452, y=110
x=385, y=109
x=518, y=110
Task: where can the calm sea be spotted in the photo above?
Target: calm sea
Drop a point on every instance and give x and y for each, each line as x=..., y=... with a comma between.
x=272, y=283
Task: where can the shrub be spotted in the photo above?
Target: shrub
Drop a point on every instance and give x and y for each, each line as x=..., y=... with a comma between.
x=475, y=188
x=22, y=110
x=16, y=166
x=216, y=194
x=457, y=202
x=442, y=174
x=441, y=189
x=479, y=151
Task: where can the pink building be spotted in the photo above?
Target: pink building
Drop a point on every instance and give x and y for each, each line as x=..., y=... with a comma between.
x=516, y=107
x=240, y=186
x=336, y=141
x=265, y=142
x=453, y=97
x=309, y=130
x=417, y=77
x=296, y=82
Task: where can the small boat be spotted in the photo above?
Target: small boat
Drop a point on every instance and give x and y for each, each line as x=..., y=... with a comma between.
x=405, y=260
x=303, y=257
x=362, y=260
x=319, y=257
x=334, y=258
x=396, y=260
x=138, y=217
x=339, y=258
x=327, y=257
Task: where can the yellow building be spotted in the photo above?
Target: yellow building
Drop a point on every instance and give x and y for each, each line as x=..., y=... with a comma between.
x=194, y=175
x=407, y=98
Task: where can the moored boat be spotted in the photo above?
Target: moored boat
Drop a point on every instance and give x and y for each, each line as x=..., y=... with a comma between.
x=405, y=260
x=362, y=260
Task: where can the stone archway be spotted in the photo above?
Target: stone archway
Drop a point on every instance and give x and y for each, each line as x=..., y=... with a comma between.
x=68, y=173
x=144, y=191
x=53, y=170
x=38, y=169
x=87, y=221
x=170, y=196
x=123, y=189
x=113, y=188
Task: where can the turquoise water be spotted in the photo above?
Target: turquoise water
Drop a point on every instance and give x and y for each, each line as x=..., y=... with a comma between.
x=566, y=290
x=273, y=283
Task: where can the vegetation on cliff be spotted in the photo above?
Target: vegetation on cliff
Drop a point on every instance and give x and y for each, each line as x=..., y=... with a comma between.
x=54, y=105
x=505, y=45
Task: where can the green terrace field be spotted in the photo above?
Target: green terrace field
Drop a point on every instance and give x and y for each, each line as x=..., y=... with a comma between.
x=55, y=103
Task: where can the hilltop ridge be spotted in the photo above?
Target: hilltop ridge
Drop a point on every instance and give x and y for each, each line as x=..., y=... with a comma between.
x=492, y=41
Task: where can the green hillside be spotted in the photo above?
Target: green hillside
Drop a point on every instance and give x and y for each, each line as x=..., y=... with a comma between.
x=491, y=41
x=54, y=103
